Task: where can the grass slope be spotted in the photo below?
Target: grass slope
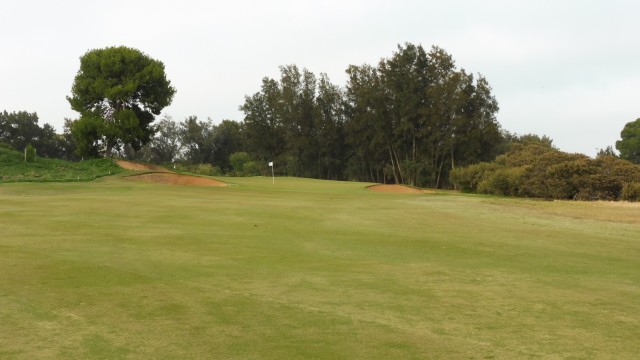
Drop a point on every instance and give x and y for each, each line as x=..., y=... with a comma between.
x=14, y=169
x=311, y=269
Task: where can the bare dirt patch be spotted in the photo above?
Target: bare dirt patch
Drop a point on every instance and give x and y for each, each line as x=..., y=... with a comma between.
x=138, y=166
x=176, y=179
x=396, y=189
x=161, y=175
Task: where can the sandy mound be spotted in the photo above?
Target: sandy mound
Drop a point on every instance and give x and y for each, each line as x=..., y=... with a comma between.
x=396, y=189
x=176, y=179
x=137, y=166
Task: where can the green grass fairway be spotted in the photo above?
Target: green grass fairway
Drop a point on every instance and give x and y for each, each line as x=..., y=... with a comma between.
x=308, y=269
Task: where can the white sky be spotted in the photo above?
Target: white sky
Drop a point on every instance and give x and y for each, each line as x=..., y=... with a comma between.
x=566, y=69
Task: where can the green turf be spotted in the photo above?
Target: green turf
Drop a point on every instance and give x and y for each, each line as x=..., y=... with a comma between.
x=308, y=269
x=13, y=168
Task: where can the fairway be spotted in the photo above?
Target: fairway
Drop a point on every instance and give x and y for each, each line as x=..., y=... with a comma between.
x=310, y=269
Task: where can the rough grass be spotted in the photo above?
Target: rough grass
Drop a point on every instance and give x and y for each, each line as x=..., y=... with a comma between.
x=14, y=169
x=311, y=269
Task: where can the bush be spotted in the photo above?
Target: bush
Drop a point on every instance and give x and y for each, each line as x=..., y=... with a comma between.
x=631, y=192
x=545, y=172
x=30, y=154
x=198, y=169
x=503, y=182
x=4, y=145
x=237, y=161
x=251, y=168
x=468, y=179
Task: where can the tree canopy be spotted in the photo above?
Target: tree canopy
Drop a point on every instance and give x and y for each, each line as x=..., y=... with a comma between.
x=19, y=129
x=629, y=145
x=410, y=120
x=118, y=91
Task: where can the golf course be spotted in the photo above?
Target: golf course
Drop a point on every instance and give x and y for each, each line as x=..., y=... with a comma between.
x=123, y=268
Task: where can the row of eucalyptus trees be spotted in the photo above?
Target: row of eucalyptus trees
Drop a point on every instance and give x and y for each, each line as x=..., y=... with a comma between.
x=411, y=119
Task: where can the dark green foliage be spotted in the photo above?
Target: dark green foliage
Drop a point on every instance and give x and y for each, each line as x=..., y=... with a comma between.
x=415, y=117
x=196, y=138
x=4, y=145
x=409, y=120
x=243, y=165
x=165, y=147
x=14, y=169
x=537, y=170
x=297, y=122
x=228, y=138
x=118, y=91
x=629, y=145
x=18, y=129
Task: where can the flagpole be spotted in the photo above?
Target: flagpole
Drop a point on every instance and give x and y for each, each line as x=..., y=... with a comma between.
x=273, y=176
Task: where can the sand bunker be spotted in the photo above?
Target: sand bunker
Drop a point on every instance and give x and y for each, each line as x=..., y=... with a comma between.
x=161, y=175
x=138, y=166
x=396, y=189
x=176, y=179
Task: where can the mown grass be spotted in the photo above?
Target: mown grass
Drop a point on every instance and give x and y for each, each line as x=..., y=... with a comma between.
x=13, y=168
x=311, y=269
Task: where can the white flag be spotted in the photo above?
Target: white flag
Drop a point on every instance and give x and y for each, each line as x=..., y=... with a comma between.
x=271, y=163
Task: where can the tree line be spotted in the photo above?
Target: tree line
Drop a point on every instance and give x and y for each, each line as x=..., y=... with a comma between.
x=409, y=120
x=21, y=128
x=414, y=118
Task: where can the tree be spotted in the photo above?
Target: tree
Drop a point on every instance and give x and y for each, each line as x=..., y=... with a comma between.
x=118, y=91
x=265, y=133
x=629, y=145
x=415, y=117
x=197, y=140
x=297, y=123
x=608, y=151
x=228, y=139
x=165, y=146
x=18, y=129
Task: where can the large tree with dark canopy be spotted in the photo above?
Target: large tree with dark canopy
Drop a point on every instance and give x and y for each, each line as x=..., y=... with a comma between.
x=629, y=145
x=118, y=91
x=411, y=120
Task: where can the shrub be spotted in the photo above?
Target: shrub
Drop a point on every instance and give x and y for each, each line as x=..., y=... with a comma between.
x=198, y=169
x=238, y=161
x=4, y=145
x=207, y=169
x=631, y=192
x=30, y=154
x=468, y=179
x=503, y=182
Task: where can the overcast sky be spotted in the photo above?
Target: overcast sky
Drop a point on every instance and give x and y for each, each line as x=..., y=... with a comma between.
x=566, y=69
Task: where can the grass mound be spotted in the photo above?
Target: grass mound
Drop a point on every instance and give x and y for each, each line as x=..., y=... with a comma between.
x=13, y=168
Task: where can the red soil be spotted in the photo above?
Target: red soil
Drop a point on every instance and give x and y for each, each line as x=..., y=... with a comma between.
x=177, y=179
x=164, y=176
x=138, y=166
x=397, y=189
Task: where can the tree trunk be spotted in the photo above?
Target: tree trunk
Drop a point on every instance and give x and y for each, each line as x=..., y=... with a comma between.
x=440, y=171
x=393, y=167
x=400, y=172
